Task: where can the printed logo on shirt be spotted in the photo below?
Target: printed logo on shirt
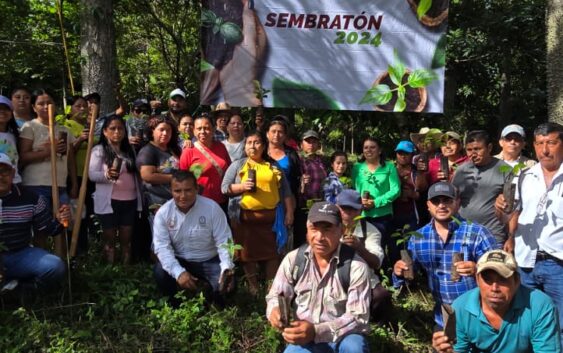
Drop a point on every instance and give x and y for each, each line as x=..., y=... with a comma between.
x=202, y=220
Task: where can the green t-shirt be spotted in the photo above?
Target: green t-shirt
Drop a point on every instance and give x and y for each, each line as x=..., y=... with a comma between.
x=383, y=185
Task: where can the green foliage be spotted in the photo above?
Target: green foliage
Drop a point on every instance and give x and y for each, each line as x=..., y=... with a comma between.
x=423, y=7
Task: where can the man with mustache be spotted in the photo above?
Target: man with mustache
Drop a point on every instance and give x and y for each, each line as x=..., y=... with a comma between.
x=327, y=317
x=479, y=182
x=537, y=223
x=501, y=315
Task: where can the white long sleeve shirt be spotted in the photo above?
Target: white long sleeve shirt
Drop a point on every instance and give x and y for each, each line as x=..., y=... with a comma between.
x=198, y=235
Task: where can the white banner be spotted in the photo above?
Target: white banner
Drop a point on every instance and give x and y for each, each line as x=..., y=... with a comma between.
x=386, y=55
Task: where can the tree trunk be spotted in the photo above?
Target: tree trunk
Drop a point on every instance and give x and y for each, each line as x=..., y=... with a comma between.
x=98, y=52
x=554, y=24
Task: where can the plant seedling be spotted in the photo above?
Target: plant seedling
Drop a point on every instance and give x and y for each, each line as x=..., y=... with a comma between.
x=231, y=32
x=381, y=94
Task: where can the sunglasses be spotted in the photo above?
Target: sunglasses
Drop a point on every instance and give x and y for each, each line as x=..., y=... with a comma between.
x=441, y=200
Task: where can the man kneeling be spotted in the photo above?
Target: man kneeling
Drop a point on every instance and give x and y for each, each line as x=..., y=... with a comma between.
x=189, y=238
x=501, y=315
x=330, y=290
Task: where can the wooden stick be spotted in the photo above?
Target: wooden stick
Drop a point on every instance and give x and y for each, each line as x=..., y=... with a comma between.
x=54, y=184
x=82, y=193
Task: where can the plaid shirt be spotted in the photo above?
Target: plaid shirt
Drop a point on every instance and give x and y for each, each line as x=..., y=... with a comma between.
x=435, y=257
x=219, y=135
x=321, y=300
x=314, y=166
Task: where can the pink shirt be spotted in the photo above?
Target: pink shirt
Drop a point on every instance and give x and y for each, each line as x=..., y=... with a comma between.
x=124, y=188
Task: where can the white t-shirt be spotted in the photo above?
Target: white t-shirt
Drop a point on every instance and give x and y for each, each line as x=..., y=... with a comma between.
x=39, y=173
x=8, y=147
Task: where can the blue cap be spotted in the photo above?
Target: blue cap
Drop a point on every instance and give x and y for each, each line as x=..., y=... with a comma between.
x=405, y=146
x=349, y=198
x=7, y=102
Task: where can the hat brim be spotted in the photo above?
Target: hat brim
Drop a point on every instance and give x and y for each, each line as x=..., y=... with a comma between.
x=498, y=268
x=356, y=206
x=324, y=218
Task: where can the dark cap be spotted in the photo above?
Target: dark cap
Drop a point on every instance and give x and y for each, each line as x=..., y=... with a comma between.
x=324, y=212
x=141, y=102
x=310, y=133
x=349, y=198
x=442, y=188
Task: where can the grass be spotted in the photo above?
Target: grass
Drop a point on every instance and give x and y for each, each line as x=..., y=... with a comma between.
x=118, y=309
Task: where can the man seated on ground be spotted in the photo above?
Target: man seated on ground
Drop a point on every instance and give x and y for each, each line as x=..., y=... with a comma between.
x=434, y=245
x=331, y=314
x=25, y=213
x=500, y=315
x=190, y=238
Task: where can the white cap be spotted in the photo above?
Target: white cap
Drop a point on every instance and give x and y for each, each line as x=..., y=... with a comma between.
x=177, y=92
x=512, y=128
x=4, y=159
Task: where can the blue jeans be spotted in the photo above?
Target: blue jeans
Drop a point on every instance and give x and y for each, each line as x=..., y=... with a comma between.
x=547, y=275
x=45, y=270
x=209, y=271
x=352, y=343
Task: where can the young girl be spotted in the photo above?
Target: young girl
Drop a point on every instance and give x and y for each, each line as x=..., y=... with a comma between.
x=9, y=134
x=117, y=198
x=336, y=180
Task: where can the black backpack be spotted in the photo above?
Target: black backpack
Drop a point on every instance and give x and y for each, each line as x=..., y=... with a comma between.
x=342, y=268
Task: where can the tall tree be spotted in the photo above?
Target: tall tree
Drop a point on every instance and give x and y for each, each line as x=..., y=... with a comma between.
x=554, y=24
x=98, y=52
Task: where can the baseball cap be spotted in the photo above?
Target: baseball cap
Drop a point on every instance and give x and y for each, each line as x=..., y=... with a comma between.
x=405, y=146
x=512, y=128
x=349, y=198
x=310, y=133
x=140, y=102
x=324, y=212
x=442, y=188
x=7, y=102
x=451, y=135
x=499, y=261
x=4, y=159
x=177, y=92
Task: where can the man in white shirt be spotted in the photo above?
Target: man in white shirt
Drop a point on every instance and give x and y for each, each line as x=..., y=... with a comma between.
x=512, y=141
x=190, y=239
x=536, y=228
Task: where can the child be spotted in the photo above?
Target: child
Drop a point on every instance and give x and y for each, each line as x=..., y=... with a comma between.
x=336, y=180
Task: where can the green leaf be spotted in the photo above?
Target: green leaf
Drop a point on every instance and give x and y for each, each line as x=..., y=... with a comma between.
x=423, y=7
x=439, y=58
x=231, y=32
x=400, y=105
x=378, y=95
x=397, y=70
x=291, y=94
x=208, y=18
x=205, y=66
x=216, y=29
x=401, y=92
x=505, y=169
x=421, y=78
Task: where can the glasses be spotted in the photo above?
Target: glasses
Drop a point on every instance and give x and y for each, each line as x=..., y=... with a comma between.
x=436, y=201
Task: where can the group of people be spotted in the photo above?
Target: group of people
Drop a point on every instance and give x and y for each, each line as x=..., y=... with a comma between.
x=322, y=230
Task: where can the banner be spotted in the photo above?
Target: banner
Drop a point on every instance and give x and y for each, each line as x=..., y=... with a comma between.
x=385, y=55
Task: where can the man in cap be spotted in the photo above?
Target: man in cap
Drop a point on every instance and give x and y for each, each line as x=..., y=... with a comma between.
x=137, y=123
x=313, y=173
x=501, y=315
x=480, y=181
x=536, y=227
x=177, y=104
x=512, y=141
x=24, y=215
x=222, y=114
x=328, y=317
x=413, y=184
x=433, y=246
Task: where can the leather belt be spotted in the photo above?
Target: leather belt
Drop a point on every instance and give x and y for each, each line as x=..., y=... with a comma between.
x=542, y=256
